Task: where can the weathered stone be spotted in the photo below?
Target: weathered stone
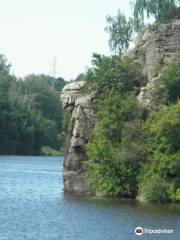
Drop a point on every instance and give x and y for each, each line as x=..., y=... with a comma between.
x=81, y=123
x=70, y=93
x=154, y=50
x=75, y=182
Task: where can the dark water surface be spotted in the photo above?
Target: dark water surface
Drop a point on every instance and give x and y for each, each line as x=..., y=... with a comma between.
x=33, y=207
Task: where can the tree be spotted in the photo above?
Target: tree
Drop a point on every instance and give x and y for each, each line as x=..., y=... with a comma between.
x=56, y=83
x=30, y=112
x=6, y=81
x=159, y=9
x=45, y=97
x=115, y=149
x=113, y=74
x=120, y=30
x=80, y=77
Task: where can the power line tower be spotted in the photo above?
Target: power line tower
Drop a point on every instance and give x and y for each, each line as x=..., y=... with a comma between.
x=54, y=73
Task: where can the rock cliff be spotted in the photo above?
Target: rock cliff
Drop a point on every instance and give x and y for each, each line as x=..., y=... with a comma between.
x=82, y=121
x=158, y=46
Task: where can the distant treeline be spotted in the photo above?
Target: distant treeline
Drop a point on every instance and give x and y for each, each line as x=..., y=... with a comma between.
x=31, y=117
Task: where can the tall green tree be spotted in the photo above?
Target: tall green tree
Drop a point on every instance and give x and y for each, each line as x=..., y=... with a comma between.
x=120, y=32
x=6, y=81
x=160, y=10
x=30, y=112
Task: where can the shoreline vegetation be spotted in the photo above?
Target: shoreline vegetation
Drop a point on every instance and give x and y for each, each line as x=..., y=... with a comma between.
x=120, y=199
x=48, y=151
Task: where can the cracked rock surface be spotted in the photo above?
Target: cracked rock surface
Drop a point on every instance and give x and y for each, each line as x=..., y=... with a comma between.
x=157, y=47
x=81, y=123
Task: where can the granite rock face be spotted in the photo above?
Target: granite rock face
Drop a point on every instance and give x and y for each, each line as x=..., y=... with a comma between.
x=157, y=47
x=81, y=123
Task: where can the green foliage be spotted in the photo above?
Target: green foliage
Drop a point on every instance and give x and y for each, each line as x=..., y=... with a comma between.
x=47, y=151
x=115, y=149
x=114, y=111
x=120, y=30
x=113, y=74
x=155, y=189
x=80, y=77
x=164, y=129
x=6, y=80
x=126, y=155
x=163, y=144
x=177, y=195
x=160, y=10
x=30, y=113
x=115, y=154
x=170, y=89
x=45, y=97
x=56, y=83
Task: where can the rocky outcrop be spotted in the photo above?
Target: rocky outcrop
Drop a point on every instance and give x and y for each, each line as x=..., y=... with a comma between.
x=158, y=46
x=82, y=121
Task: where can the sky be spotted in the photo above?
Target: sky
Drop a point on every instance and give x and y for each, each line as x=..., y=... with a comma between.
x=33, y=32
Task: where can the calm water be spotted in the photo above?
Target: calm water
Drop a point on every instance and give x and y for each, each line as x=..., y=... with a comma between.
x=33, y=207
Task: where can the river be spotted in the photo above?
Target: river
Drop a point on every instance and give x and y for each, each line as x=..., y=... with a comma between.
x=34, y=207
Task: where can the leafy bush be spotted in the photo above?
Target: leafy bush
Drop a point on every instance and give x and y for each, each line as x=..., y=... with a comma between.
x=163, y=127
x=177, y=195
x=170, y=89
x=47, y=151
x=113, y=74
x=163, y=144
x=155, y=189
x=120, y=30
x=115, y=155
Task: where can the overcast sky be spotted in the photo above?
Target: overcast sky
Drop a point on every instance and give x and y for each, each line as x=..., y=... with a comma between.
x=33, y=32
